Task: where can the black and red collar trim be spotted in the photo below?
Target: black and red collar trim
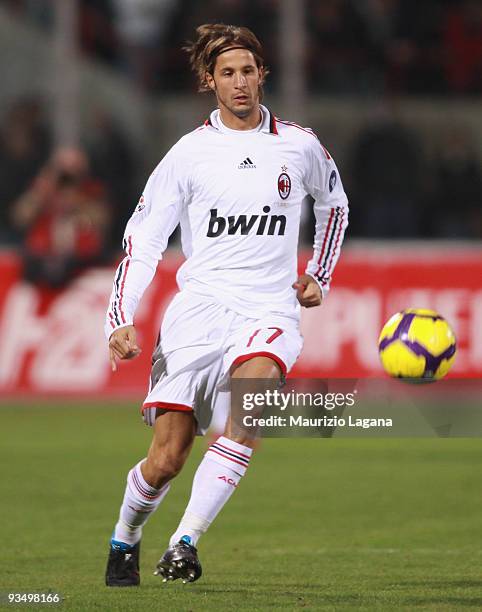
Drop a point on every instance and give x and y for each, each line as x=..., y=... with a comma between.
x=272, y=123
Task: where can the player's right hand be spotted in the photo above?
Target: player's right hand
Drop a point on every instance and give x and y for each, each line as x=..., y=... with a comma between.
x=123, y=345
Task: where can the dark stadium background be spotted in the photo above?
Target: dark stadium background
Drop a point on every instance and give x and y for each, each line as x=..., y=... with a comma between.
x=393, y=90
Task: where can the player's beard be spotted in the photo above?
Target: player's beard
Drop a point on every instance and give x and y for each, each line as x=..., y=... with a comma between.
x=240, y=113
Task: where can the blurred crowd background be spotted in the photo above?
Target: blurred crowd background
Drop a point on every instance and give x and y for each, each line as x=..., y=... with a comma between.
x=353, y=46
x=392, y=87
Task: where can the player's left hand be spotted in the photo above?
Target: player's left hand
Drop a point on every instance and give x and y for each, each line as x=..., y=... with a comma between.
x=308, y=291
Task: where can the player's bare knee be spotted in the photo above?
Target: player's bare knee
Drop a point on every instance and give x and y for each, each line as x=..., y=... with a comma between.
x=257, y=367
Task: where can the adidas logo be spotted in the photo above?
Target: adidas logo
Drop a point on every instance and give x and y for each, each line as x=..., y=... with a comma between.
x=247, y=163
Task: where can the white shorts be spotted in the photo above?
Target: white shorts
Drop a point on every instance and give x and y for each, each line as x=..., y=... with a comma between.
x=199, y=343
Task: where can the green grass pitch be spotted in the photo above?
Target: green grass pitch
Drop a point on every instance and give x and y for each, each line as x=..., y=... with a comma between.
x=316, y=524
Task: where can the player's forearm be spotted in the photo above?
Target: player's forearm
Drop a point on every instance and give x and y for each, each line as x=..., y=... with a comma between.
x=131, y=279
x=331, y=224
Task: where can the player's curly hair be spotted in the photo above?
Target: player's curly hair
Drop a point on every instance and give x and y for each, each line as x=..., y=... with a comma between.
x=215, y=38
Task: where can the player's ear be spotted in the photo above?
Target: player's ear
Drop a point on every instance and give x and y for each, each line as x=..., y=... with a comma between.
x=210, y=81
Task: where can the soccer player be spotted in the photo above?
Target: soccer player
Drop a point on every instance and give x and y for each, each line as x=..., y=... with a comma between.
x=235, y=185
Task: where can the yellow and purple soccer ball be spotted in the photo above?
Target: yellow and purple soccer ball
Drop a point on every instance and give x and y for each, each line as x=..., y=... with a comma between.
x=417, y=345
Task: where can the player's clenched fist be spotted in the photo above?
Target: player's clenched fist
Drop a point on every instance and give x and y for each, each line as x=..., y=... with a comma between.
x=308, y=291
x=123, y=345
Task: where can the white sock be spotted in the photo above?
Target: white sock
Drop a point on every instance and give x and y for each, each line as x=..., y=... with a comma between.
x=140, y=501
x=215, y=480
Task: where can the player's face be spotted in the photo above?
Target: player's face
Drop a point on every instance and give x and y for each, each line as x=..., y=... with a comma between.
x=236, y=81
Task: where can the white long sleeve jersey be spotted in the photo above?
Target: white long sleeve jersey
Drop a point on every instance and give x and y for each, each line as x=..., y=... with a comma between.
x=237, y=196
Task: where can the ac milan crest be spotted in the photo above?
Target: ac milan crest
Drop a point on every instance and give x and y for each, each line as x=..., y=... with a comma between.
x=284, y=185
